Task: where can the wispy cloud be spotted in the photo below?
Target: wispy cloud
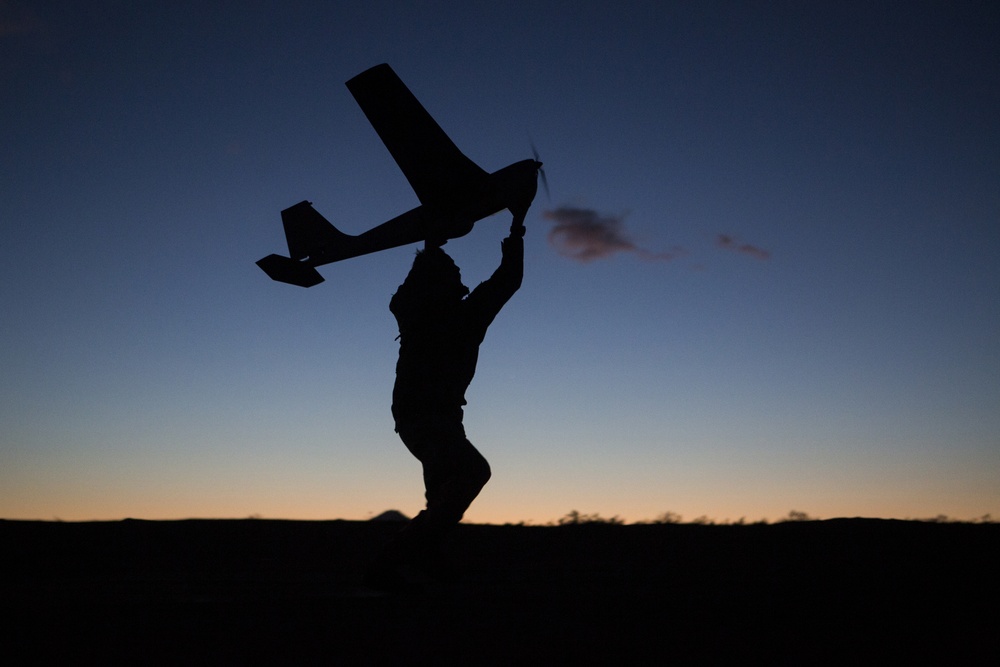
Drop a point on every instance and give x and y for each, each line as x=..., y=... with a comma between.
x=584, y=234
x=727, y=242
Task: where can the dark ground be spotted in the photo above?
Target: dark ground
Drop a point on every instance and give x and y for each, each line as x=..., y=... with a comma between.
x=845, y=591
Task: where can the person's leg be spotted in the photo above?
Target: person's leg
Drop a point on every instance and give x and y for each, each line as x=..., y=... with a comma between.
x=454, y=474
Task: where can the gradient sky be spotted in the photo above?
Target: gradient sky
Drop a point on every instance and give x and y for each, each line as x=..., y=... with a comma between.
x=793, y=300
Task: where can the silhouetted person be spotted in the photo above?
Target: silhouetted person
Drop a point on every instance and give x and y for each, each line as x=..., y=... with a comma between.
x=441, y=325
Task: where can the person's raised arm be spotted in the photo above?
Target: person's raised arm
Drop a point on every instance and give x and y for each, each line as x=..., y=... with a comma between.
x=491, y=295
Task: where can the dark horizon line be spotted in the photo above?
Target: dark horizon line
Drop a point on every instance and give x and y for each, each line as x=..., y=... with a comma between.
x=570, y=519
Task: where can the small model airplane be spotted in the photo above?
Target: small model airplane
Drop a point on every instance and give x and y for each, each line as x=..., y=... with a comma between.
x=454, y=192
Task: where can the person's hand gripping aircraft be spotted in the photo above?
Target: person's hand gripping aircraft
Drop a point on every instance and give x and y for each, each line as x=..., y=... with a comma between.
x=454, y=192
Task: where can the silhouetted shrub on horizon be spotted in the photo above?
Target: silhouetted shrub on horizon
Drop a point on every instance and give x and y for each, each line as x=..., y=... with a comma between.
x=574, y=518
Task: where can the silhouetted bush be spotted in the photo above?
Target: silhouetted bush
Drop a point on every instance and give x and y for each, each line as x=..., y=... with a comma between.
x=574, y=518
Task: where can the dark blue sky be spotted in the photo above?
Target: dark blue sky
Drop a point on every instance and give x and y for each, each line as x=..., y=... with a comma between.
x=823, y=176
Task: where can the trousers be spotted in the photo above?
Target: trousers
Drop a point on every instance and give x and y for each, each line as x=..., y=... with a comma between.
x=454, y=470
x=454, y=473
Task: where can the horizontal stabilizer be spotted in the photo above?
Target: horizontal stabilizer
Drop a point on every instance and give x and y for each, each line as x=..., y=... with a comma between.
x=288, y=270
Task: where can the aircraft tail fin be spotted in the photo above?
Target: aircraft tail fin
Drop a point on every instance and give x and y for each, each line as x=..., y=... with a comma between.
x=308, y=233
x=312, y=241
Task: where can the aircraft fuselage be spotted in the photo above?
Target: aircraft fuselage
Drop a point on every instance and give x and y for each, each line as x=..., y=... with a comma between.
x=512, y=188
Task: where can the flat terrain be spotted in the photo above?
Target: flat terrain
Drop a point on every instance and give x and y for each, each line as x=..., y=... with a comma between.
x=843, y=591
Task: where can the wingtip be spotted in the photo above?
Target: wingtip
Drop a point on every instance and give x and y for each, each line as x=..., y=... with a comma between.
x=381, y=68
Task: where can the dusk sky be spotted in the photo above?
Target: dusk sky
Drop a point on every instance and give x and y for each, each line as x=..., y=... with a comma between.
x=767, y=279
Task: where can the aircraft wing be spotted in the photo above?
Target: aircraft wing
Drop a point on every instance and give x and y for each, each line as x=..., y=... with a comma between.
x=436, y=169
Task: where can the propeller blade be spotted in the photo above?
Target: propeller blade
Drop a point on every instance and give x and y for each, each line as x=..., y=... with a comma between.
x=541, y=172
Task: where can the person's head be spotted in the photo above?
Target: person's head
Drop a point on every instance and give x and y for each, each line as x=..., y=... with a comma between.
x=437, y=275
